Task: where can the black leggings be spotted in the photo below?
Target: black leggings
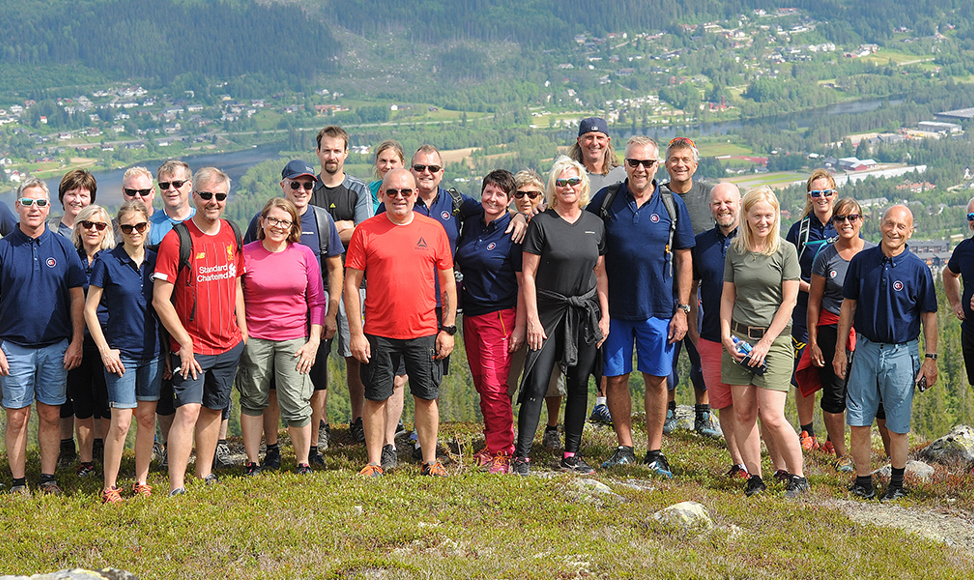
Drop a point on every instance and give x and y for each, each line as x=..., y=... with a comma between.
x=535, y=386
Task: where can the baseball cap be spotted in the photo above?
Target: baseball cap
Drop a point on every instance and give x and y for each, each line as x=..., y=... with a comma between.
x=297, y=168
x=591, y=124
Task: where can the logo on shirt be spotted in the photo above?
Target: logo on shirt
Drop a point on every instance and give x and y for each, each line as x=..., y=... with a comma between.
x=654, y=218
x=229, y=253
x=421, y=244
x=201, y=256
x=445, y=215
x=897, y=285
x=51, y=262
x=832, y=273
x=491, y=246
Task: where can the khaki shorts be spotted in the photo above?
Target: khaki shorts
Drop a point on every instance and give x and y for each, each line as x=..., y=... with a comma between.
x=780, y=362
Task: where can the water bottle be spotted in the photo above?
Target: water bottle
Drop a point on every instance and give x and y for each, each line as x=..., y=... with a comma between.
x=744, y=348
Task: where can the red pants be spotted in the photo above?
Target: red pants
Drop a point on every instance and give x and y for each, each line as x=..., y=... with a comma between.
x=486, y=338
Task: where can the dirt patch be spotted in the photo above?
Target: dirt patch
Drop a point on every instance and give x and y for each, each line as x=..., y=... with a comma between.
x=457, y=155
x=954, y=528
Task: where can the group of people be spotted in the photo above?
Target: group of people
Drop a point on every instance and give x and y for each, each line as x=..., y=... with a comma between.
x=559, y=279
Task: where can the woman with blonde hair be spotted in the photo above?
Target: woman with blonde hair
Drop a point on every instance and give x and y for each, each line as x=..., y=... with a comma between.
x=760, y=288
x=388, y=155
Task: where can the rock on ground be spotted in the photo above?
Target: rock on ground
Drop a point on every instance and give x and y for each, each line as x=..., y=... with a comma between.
x=688, y=515
x=956, y=447
x=917, y=469
x=79, y=574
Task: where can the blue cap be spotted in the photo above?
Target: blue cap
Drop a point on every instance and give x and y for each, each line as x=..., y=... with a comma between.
x=596, y=124
x=297, y=168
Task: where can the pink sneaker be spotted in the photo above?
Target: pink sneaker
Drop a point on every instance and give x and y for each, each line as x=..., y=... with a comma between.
x=482, y=458
x=500, y=464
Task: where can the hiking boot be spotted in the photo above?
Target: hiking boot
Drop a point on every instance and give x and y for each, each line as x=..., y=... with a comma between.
x=177, y=492
x=50, y=488
x=500, y=465
x=670, y=423
x=252, y=469
x=19, y=490
x=738, y=472
x=434, y=469
x=782, y=476
x=551, y=440
x=828, y=448
x=893, y=494
x=143, y=489
x=211, y=480
x=390, y=458
x=576, y=464
x=221, y=458
x=600, y=414
x=357, y=430
x=482, y=458
x=86, y=469
x=316, y=459
x=67, y=455
x=371, y=470
x=622, y=456
x=705, y=426
x=272, y=458
x=797, y=486
x=521, y=466
x=659, y=466
x=845, y=464
x=809, y=443
x=303, y=469
x=111, y=495
x=755, y=485
x=862, y=492
x=324, y=436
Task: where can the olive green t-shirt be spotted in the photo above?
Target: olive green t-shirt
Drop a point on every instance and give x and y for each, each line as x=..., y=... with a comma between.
x=757, y=280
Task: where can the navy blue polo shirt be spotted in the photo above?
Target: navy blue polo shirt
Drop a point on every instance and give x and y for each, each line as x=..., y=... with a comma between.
x=132, y=326
x=490, y=261
x=36, y=275
x=709, y=256
x=640, y=282
x=442, y=211
x=891, y=293
x=819, y=237
x=89, y=268
x=962, y=262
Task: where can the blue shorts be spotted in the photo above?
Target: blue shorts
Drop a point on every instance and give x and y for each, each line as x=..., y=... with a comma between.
x=882, y=373
x=142, y=381
x=211, y=388
x=653, y=347
x=35, y=373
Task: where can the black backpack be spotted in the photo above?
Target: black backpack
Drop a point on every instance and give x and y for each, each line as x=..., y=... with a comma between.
x=667, y=197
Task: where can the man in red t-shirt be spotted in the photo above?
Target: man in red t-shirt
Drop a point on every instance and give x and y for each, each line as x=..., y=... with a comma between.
x=402, y=253
x=202, y=308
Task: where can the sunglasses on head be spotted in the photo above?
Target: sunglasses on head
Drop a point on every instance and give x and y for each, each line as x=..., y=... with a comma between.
x=529, y=194
x=686, y=139
x=164, y=185
x=137, y=192
x=852, y=217
x=422, y=168
x=29, y=201
x=100, y=226
x=405, y=192
x=562, y=181
x=127, y=228
x=296, y=185
x=208, y=195
x=816, y=193
x=647, y=163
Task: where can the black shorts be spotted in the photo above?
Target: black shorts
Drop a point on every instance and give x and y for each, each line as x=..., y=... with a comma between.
x=211, y=387
x=967, y=345
x=86, y=386
x=167, y=400
x=833, y=387
x=425, y=374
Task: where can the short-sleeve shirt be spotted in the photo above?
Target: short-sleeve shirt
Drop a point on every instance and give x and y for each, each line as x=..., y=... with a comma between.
x=833, y=267
x=206, y=306
x=132, y=325
x=597, y=181
x=442, y=211
x=709, y=256
x=890, y=294
x=568, y=251
x=36, y=276
x=282, y=291
x=697, y=200
x=638, y=268
x=161, y=224
x=962, y=262
x=757, y=280
x=820, y=236
x=490, y=262
x=402, y=264
x=349, y=201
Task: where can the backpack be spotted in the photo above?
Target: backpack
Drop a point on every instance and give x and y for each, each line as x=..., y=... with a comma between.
x=457, y=198
x=322, y=220
x=186, y=250
x=667, y=197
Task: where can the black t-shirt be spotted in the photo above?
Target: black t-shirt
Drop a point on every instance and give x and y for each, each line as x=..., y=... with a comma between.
x=339, y=201
x=568, y=251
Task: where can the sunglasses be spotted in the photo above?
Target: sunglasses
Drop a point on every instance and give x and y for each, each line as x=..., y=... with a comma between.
x=683, y=139
x=405, y=192
x=529, y=194
x=275, y=222
x=100, y=226
x=422, y=168
x=29, y=201
x=816, y=193
x=562, y=182
x=852, y=217
x=647, y=163
x=164, y=185
x=208, y=195
x=137, y=192
x=127, y=228
x=296, y=185
x=970, y=217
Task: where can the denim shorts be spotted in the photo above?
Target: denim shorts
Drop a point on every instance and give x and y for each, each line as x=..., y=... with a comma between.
x=142, y=381
x=35, y=373
x=653, y=348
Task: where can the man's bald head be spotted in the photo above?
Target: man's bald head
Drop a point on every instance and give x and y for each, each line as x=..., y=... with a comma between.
x=725, y=206
x=899, y=212
x=897, y=227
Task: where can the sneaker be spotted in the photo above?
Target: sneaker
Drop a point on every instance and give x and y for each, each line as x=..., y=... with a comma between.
x=796, y=486
x=809, y=443
x=576, y=464
x=303, y=469
x=500, y=465
x=551, y=439
x=400, y=429
x=670, y=423
x=782, y=476
x=828, y=448
x=164, y=458
x=600, y=414
x=705, y=426
x=845, y=464
x=98, y=450
x=659, y=465
x=482, y=458
x=371, y=470
x=158, y=451
x=893, y=494
x=390, y=458
x=434, y=469
x=67, y=455
x=143, y=489
x=316, y=459
x=252, y=469
x=622, y=456
x=521, y=466
x=221, y=458
x=272, y=459
x=111, y=495
x=738, y=472
x=862, y=492
x=86, y=469
x=177, y=491
x=211, y=479
x=50, y=488
x=324, y=436
x=357, y=430
x=755, y=485
x=19, y=490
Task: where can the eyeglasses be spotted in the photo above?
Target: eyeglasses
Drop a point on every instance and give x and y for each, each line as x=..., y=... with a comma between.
x=422, y=168
x=208, y=195
x=970, y=217
x=562, y=182
x=529, y=194
x=164, y=185
x=647, y=163
x=127, y=228
x=29, y=201
x=816, y=193
x=406, y=192
x=852, y=217
x=275, y=222
x=296, y=185
x=100, y=226
x=137, y=192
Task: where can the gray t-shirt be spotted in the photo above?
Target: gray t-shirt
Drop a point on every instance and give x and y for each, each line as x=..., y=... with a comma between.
x=697, y=200
x=757, y=281
x=830, y=265
x=597, y=181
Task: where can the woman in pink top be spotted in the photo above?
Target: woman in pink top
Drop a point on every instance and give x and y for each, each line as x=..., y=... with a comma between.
x=285, y=304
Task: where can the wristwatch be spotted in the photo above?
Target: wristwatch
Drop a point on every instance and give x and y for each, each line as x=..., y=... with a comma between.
x=684, y=307
x=929, y=355
x=451, y=330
